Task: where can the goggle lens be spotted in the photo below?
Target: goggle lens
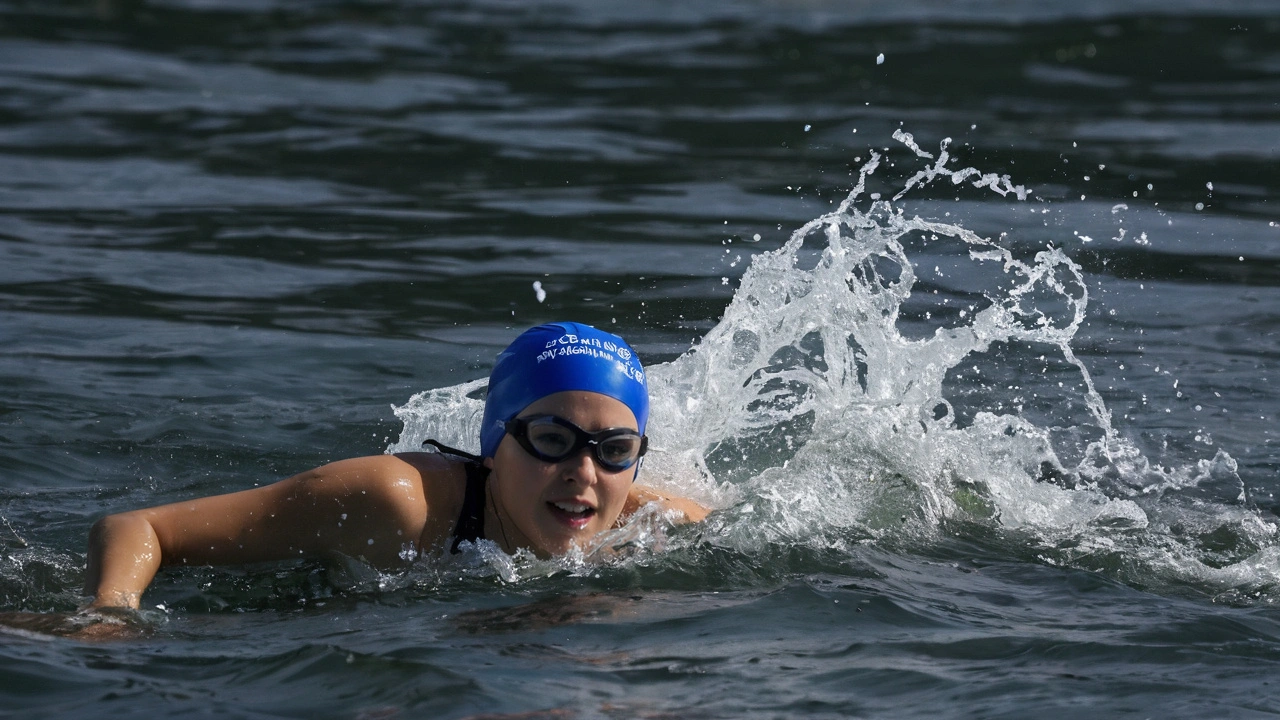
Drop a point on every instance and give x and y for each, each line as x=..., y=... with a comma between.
x=552, y=439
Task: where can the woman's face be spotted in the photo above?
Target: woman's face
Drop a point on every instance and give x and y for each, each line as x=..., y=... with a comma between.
x=548, y=507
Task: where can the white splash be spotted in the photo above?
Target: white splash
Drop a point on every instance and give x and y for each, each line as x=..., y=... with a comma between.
x=809, y=384
x=809, y=417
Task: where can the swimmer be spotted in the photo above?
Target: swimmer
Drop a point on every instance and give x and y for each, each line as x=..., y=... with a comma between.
x=561, y=444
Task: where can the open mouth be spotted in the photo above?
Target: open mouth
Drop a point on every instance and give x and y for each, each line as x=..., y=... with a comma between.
x=572, y=513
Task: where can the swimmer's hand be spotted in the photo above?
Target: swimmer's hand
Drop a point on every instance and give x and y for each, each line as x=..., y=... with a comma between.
x=92, y=624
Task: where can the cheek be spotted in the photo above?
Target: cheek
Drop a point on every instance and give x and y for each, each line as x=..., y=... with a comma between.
x=616, y=491
x=511, y=463
x=517, y=480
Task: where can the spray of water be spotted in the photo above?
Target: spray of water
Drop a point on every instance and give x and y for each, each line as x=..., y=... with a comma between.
x=810, y=416
x=809, y=369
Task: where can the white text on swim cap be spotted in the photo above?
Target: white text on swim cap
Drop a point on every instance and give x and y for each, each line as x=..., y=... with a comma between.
x=569, y=344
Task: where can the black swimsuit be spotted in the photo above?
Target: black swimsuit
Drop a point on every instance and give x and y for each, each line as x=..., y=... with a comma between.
x=470, y=525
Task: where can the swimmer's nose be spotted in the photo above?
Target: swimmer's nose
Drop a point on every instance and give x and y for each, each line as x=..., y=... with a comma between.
x=581, y=467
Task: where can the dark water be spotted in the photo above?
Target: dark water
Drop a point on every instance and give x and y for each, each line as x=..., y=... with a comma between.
x=234, y=234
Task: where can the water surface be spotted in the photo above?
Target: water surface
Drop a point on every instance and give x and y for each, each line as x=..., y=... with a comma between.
x=237, y=239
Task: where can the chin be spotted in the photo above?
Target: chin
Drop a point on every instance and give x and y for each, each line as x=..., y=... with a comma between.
x=562, y=544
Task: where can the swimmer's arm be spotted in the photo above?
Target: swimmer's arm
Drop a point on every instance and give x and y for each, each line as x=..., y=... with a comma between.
x=364, y=507
x=639, y=497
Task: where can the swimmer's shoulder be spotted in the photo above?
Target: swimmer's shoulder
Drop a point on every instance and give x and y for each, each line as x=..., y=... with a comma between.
x=406, y=477
x=443, y=482
x=639, y=496
x=406, y=495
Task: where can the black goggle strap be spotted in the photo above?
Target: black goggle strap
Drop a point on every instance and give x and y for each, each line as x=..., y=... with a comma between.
x=445, y=449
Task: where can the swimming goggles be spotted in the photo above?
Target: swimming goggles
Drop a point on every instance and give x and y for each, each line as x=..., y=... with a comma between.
x=552, y=439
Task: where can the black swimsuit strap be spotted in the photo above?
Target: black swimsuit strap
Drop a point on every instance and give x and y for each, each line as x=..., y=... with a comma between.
x=470, y=525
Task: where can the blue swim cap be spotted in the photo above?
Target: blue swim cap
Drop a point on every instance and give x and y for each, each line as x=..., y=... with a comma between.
x=558, y=357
